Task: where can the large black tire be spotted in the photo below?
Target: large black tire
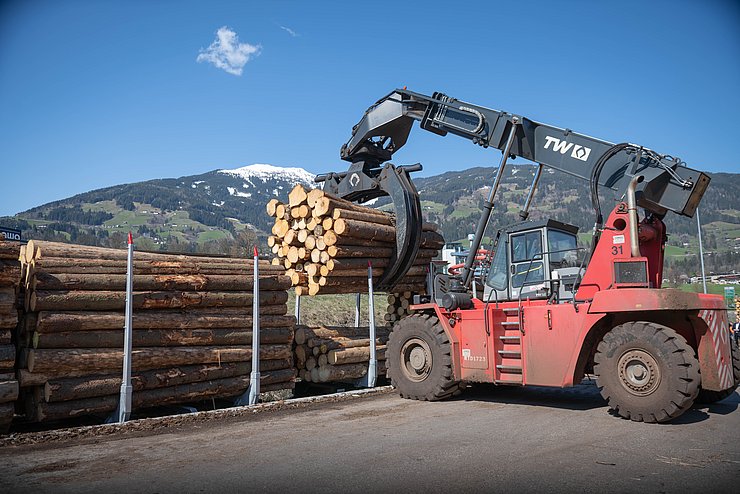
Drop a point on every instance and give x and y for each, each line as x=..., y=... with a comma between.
x=646, y=372
x=419, y=359
x=708, y=396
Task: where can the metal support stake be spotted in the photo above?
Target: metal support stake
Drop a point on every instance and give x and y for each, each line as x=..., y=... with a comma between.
x=701, y=252
x=253, y=391
x=372, y=370
x=124, y=404
x=297, y=309
x=358, y=302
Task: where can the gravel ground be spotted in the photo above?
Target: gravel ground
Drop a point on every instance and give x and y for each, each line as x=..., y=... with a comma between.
x=489, y=439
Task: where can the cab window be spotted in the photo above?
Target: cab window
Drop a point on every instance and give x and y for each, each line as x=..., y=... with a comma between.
x=526, y=247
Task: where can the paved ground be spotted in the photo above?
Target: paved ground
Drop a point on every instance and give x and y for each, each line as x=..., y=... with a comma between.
x=545, y=440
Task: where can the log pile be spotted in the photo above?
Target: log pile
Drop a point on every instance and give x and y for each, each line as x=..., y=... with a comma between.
x=192, y=329
x=325, y=244
x=330, y=354
x=10, y=277
x=398, y=306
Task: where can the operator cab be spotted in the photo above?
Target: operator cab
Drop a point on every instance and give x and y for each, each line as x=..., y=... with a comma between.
x=522, y=269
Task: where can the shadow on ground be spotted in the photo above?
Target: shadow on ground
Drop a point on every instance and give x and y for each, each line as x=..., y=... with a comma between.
x=581, y=397
x=584, y=396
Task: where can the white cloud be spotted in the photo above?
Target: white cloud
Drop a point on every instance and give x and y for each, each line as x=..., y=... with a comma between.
x=227, y=53
x=289, y=31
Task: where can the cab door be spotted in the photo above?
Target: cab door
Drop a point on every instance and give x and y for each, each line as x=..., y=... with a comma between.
x=527, y=264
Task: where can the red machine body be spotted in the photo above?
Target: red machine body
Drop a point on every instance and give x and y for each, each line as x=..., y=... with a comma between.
x=536, y=342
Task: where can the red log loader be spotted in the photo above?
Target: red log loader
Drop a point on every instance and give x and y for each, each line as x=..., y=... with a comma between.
x=541, y=317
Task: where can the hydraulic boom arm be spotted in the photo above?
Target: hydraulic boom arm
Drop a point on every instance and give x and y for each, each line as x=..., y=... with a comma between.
x=665, y=184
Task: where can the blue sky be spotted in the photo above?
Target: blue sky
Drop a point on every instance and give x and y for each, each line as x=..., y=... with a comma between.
x=97, y=93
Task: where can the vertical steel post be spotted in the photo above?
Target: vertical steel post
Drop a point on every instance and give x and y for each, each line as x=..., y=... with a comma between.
x=358, y=302
x=254, y=377
x=701, y=252
x=124, y=405
x=297, y=309
x=372, y=370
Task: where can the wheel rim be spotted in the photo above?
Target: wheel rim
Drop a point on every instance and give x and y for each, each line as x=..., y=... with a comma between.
x=416, y=359
x=639, y=372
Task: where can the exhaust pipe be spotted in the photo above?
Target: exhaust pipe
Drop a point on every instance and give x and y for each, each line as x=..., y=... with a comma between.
x=632, y=212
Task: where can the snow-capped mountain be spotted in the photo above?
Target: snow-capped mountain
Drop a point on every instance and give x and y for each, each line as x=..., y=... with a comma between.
x=269, y=172
x=220, y=198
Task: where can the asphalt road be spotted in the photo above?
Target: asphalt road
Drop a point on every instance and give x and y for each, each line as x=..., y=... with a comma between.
x=488, y=440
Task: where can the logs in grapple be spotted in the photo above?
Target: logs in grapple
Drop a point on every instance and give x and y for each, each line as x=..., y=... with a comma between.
x=192, y=329
x=324, y=354
x=10, y=277
x=325, y=243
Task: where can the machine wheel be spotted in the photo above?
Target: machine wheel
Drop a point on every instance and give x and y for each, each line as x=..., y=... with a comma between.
x=646, y=372
x=419, y=359
x=708, y=396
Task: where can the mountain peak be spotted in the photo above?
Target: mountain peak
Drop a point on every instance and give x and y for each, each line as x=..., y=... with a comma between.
x=267, y=172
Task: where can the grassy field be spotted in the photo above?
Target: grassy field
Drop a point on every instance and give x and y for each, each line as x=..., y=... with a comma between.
x=337, y=310
x=711, y=288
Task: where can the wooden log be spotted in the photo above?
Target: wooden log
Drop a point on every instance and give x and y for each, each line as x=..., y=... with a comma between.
x=336, y=332
x=354, y=355
x=370, y=232
x=313, y=196
x=8, y=391
x=9, y=250
x=346, y=372
x=281, y=228
x=142, y=266
x=5, y=336
x=297, y=196
x=8, y=320
x=431, y=240
x=357, y=263
x=282, y=386
x=363, y=251
x=108, y=384
x=145, y=358
x=382, y=218
x=182, y=393
x=160, y=337
x=42, y=300
x=302, y=352
x=36, y=250
x=196, y=282
x=28, y=379
x=10, y=275
x=327, y=204
x=351, y=273
x=272, y=207
x=325, y=345
x=54, y=322
x=7, y=357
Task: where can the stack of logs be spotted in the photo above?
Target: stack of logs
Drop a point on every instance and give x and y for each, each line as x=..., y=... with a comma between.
x=398, y=306
x=192, y=329
x=324, y=354
x=325, y=244
x=10, y=275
